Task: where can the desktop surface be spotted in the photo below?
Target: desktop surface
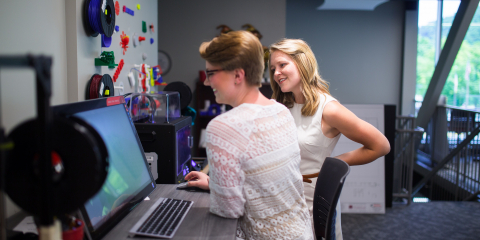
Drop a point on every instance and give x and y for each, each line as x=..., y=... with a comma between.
x=198, y=224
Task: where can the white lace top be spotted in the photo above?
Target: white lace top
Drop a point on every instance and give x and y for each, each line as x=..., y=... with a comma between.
x=254, y=162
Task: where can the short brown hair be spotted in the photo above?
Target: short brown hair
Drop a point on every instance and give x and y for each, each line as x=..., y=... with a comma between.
x=236, y=49
x=312, y=83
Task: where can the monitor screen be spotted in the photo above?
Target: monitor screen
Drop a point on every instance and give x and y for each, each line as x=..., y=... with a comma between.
x=129, y=179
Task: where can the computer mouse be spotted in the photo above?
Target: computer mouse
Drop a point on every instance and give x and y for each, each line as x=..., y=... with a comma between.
x=185, y=184
x=182, y=185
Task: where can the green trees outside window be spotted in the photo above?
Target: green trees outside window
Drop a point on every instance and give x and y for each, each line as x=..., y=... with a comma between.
x=462, y=88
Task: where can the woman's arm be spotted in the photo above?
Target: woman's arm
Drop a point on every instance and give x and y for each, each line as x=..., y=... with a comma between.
x=339, y=119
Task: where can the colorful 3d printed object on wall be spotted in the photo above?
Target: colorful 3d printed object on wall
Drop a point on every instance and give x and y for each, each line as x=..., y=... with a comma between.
x=118, y=70
x=117, y=8
x=128, y=10
x=106, y=59
x=124, y=39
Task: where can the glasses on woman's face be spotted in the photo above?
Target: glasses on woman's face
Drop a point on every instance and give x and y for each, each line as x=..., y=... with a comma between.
x=209, y=73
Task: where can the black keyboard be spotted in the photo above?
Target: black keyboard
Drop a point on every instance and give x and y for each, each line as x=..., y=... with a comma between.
x=165, y=218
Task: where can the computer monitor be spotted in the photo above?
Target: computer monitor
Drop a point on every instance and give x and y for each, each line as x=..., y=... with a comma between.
x=129, y=178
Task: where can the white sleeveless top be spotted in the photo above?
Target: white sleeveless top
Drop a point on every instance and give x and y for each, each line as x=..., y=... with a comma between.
x=314, y=148
x=254, y=160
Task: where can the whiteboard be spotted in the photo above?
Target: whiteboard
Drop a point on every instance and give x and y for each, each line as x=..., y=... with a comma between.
x=364, y=188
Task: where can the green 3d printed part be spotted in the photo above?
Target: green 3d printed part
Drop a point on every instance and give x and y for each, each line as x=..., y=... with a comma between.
x=106, y=59
x=144, y=26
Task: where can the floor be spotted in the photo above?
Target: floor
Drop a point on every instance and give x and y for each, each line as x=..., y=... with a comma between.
x=419, y=221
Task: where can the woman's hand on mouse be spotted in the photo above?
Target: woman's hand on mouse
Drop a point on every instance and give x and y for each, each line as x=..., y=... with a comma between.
x=198, y=179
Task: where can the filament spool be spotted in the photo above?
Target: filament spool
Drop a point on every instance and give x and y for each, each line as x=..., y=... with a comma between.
x=83, y=168
x=99, y=17
x=100, y=86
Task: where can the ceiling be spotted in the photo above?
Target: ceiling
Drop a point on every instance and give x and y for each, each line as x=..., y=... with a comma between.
x=359, y=5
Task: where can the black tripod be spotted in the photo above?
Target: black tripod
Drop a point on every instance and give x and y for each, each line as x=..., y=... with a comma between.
x=42, y=67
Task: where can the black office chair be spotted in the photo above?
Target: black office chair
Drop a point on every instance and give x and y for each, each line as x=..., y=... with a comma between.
x=327, y=192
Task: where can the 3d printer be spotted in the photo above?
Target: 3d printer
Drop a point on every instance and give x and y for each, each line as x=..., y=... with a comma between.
x=164, y=131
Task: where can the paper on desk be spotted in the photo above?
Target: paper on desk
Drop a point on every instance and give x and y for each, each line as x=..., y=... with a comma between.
x=27, y=225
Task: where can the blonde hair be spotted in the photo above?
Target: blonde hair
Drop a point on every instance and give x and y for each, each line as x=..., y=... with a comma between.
x=234, y=50
x=312, y=83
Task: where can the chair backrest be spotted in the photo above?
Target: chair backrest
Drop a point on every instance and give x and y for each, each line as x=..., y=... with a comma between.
x=327, y=191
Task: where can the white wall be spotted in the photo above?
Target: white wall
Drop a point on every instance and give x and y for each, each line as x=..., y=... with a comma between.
x=359, y=52
x=184, y=25
x=36, y=27
x=409, y=79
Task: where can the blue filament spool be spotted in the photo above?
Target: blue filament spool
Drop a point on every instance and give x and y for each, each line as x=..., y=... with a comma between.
x=99, y=17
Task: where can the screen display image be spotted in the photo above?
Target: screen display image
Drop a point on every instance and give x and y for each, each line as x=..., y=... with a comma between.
x=128, y=174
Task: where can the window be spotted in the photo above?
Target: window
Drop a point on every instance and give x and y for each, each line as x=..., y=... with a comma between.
x=462, y=88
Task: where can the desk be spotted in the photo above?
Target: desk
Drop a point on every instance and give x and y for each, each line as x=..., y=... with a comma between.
x=198, y=224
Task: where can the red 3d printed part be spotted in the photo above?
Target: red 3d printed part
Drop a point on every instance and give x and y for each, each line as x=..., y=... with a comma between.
x=140, y=38
x=117, y=8
x=144, y=79
x=124, y=42
x=118, y=70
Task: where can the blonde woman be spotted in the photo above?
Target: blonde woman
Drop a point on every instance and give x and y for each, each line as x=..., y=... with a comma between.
x=252, y=149
x=320, y=119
